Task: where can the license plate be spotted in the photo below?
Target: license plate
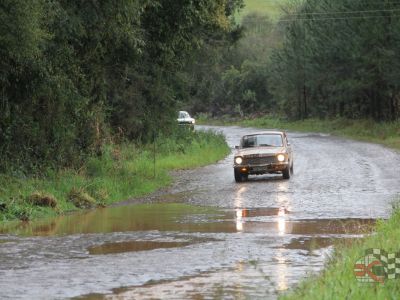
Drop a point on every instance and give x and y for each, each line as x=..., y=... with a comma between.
x=259, y=169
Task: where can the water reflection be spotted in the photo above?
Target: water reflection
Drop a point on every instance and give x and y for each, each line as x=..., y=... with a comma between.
x=239, y=196
x=240, y=212
x=242, y=215
x=281, y=221
x=282, y=270
x=239, y=219
x=283, y=186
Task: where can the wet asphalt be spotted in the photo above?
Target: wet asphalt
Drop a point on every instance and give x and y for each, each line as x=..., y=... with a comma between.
x=207, y=237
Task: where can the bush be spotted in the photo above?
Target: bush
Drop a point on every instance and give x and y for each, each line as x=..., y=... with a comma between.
x=81, y=199
x=42, y=199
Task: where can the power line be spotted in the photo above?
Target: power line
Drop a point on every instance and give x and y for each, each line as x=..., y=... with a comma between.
x=322, y=19
x=369, y=3
x=280, y=4
x=335, y=18
x=345, y=12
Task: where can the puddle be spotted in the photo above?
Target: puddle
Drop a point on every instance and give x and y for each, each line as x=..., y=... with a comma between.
x=141, y=217
x=133, y=246
x=330, y=226
x=146, y=245
x=308, y=227
x=314, y=243
x=187, y=218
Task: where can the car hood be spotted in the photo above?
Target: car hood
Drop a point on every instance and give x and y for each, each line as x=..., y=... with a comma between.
x=185, y=119
x=260, y=151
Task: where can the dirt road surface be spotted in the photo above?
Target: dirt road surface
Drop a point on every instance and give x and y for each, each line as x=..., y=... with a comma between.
x=207, y=237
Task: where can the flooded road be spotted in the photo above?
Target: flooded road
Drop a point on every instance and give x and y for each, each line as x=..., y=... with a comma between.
x=206, y=236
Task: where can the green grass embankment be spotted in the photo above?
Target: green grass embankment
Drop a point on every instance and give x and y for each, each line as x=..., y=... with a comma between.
x=122, y=172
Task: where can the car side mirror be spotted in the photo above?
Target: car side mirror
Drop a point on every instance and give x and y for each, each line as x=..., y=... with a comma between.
x=237, y=147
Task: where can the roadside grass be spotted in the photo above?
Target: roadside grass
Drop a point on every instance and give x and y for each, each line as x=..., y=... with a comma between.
x=385, y=133
x=121, y=172
x=338, y=281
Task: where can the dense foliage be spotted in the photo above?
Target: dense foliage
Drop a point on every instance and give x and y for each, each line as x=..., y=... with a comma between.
x=339, y=58
x=231, y=77
x=321, y=59
x=73, y=73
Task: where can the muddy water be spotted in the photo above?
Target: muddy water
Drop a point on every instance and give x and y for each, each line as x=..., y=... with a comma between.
x=207, y=237
x=131, y=246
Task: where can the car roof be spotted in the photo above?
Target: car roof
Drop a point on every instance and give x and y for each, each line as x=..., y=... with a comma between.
x=266, y=132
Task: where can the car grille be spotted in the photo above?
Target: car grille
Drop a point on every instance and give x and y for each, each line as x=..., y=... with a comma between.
x=260, y=160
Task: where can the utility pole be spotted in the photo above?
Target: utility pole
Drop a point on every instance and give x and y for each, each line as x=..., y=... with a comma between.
x=305, y=115
x=154, y=154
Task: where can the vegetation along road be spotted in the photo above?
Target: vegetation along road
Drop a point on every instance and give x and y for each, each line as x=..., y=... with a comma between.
x=207, y=236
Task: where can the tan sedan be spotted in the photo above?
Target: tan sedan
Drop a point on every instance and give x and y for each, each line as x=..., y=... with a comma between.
x=262, y=153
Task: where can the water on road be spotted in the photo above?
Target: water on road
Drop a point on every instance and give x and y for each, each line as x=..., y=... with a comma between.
x=206, y=236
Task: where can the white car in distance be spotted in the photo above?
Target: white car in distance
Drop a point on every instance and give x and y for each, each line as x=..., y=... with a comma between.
x=185, y=119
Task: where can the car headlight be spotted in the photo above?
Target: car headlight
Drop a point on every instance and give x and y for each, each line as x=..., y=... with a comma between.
x=193, y=121
x=238, y=160
x=281, y=157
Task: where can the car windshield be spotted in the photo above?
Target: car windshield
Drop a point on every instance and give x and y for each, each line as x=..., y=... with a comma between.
x=262, y=140
x=183, y=115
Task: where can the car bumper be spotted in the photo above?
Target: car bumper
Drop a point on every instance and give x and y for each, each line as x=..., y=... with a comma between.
x=261, y=169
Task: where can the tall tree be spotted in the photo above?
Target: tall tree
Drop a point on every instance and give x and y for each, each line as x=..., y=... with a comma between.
x=344, y=52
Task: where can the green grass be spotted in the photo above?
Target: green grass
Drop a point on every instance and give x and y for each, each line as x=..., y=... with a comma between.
x=386, y=133
x=338, y=281
x=122, y=172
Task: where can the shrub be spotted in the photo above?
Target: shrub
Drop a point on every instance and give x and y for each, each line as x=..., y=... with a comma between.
x=42, y=199
x=81, y=199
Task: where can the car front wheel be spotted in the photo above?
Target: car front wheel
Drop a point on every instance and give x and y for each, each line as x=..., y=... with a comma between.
x=239, y=177
x=286, y=172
